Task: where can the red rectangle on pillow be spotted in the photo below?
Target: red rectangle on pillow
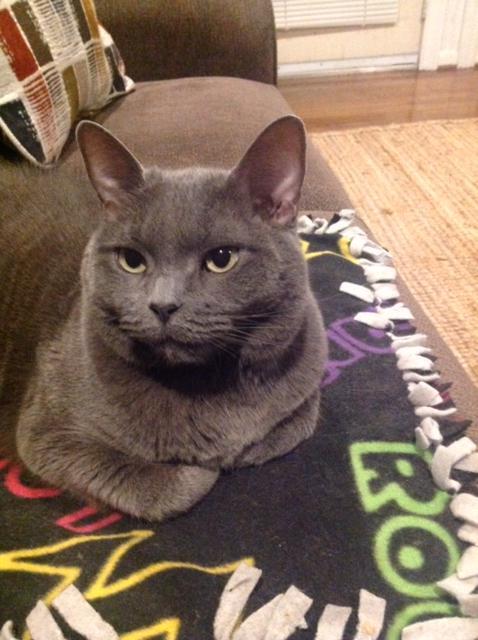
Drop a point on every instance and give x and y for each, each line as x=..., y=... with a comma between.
x=16, y=48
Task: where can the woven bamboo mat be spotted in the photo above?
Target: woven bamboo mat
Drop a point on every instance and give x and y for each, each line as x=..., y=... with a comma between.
x=416, y=186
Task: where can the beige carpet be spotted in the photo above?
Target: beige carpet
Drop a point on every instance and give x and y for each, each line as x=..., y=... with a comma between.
x=416, y=186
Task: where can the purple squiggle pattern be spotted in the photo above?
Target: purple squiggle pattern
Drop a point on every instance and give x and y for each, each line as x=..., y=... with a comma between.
x=355, y=348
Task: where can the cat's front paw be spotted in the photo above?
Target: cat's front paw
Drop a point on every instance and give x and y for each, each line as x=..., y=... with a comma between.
x=254, y=455
x=167, y=491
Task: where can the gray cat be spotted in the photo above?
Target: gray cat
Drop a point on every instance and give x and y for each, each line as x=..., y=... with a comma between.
x=167, y=334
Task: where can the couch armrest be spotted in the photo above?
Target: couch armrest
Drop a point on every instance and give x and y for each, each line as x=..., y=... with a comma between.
x=164, y=39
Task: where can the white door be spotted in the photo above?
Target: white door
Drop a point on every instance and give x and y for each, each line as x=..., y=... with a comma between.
x=450, y=34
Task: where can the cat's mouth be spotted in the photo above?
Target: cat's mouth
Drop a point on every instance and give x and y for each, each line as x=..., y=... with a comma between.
x=171, y=345
x=161, y=340
x=171, y=351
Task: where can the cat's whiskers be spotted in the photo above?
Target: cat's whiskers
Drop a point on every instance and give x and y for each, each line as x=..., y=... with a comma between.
x=254, y=316
x=330, y=297
x=222, y=347
x=239, y=337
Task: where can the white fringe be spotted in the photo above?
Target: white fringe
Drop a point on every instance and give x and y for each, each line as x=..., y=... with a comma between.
x=467, y=566
x=288, y=616
x=418, y=371
x=465, y=507
x=422, y=393
x=332, y=622
x=358, y=291
x=458, y=587
x=468, y=533
x=255, y=627
x=445, y=459
x=431, y=429
x=81, y=616
x=6, y=632
x=374, y=320
x=469, y=464
x=233, y=600
x=371, y=615
x=41, y=624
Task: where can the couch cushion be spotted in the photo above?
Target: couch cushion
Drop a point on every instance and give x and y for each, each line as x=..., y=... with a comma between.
x=209, y=121
x=161, y=40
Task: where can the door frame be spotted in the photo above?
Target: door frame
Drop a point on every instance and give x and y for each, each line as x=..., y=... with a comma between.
x=449, y=35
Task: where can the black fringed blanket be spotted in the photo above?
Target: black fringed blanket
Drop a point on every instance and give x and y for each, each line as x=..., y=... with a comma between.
x=351, y=518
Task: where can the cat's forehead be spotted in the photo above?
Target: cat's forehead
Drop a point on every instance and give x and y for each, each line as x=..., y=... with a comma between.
x=192, y=208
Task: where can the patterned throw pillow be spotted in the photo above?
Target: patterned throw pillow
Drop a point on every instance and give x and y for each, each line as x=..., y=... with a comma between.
x=56, y=62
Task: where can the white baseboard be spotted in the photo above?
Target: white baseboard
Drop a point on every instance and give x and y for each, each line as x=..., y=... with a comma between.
x=405, y=61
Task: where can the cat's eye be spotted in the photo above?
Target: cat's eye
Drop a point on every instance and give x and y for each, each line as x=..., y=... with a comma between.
x=131, y=260
x=222, y=259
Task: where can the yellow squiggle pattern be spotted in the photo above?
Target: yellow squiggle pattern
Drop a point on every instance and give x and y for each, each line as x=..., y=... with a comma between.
x=342, y=244
x=167, y=629
x=102, y=585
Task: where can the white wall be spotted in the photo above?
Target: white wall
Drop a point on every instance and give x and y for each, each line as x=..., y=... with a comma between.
x=349, y=43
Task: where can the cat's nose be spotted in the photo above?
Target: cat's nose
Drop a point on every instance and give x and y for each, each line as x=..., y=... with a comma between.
x=164, y=311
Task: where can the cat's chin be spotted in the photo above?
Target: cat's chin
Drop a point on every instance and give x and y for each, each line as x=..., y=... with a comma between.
x=171, y=353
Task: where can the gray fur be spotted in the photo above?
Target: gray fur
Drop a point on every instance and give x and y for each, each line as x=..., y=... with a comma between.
x=101, y=404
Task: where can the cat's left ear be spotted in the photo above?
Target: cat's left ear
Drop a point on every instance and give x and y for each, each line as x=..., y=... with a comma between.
x=113, y=170
x=272, y=170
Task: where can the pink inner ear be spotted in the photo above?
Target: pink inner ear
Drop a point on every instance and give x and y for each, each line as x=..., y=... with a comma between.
x=112, y=168
x=109, y=187
x=272, y=170
x=285, y=213
x=288, y=186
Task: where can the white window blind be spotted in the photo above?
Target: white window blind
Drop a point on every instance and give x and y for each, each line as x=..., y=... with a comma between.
x=303, y=14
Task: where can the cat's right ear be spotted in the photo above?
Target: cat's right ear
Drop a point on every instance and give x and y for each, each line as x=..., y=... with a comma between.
x=114, y=172
x=272, y=171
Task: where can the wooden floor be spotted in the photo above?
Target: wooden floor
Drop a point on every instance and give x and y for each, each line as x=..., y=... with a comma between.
x=348, y=101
